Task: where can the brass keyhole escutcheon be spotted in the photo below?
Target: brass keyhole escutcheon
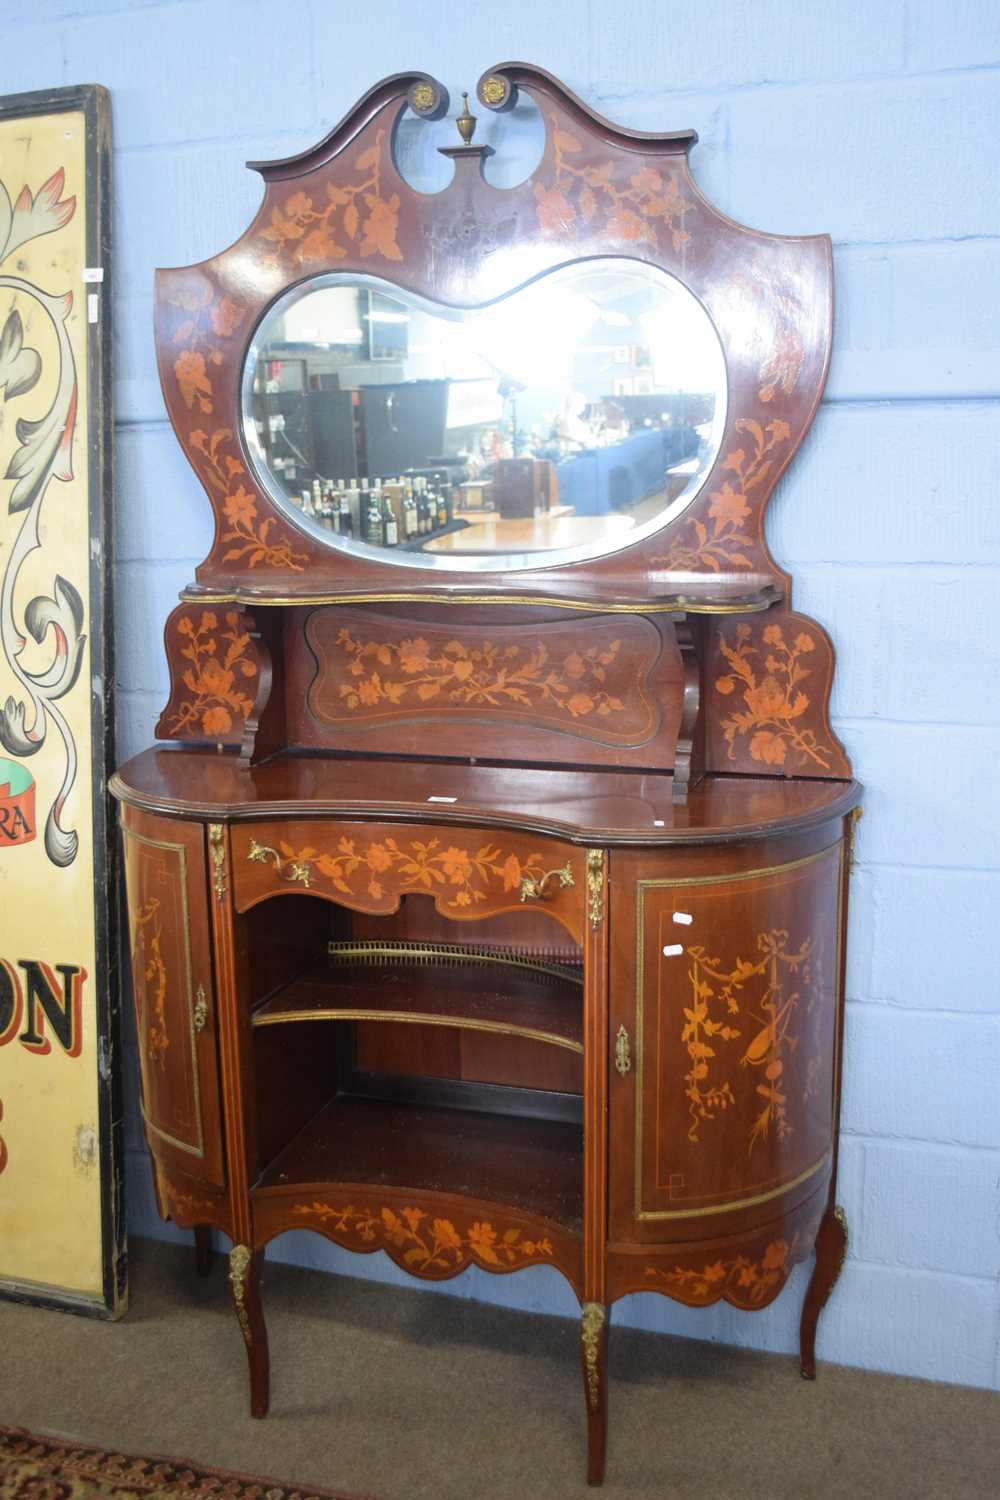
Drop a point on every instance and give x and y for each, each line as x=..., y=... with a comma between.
x=623, y=1052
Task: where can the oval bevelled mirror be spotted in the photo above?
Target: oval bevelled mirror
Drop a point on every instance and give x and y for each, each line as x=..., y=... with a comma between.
x=563, y=421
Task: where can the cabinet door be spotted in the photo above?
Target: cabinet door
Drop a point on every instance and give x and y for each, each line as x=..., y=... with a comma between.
x=727, y=1014
x=167, y=886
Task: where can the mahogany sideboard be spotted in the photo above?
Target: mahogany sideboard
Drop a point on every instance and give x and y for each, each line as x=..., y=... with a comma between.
x=490, y=904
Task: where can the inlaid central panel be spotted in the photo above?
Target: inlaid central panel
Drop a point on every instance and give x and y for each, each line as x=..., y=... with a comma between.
x=590, y=676
x=583, y=689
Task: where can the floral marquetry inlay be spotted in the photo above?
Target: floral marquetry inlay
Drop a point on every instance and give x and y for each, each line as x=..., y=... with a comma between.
x=744, y=1281
x=423, y=1243
x=776, y=983
x=632, y=204
x=723, y=541
x=346, y=217
x=147, y=959
x=379, y=868
x=590, y=678
x=251, y=540
x=774, y=719
x=491, y=674
x=210, y=321
x=220, y=670
x=196, y=1210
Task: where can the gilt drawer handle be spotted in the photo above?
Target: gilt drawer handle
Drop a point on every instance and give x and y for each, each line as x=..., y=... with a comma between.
x=291, y=869
x=533, y=886
x=200, y=1010
x=623, y=1052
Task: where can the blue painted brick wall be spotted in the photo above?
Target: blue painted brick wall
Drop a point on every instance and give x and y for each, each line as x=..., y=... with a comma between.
x=877, y=123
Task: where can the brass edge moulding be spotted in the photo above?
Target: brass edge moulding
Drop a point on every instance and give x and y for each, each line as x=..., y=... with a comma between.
x=843, y=881
x=733, y=1204
x=734, y=877
x=239, y=1263
x=165, y=1135
x=595, y=886
x=590, y=606
x=419, y=1018
x=172, y=1140
x=592, y=1323
x=217, y=851
x=853, y=819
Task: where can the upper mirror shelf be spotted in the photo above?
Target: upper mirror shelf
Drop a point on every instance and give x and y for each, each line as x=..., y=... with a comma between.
x=565, y=421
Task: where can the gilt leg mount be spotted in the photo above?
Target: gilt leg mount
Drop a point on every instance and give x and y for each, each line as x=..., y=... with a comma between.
x=239, y=1264
x=594, y=1352
x=831, y=1252
x=244, y=1278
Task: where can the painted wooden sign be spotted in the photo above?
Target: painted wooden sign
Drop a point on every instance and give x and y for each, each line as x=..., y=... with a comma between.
x=61, y=1236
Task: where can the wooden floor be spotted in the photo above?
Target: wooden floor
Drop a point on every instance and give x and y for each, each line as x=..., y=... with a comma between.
x=401, y=1395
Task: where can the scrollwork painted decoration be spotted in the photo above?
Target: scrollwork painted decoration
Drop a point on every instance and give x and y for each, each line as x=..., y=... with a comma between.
x=46, y=671
x=59, y=1043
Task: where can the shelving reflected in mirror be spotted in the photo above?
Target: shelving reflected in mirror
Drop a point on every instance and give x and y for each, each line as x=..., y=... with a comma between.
x=564, y=421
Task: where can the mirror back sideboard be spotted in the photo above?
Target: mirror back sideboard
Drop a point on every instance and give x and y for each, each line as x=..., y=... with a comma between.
x=488, y=901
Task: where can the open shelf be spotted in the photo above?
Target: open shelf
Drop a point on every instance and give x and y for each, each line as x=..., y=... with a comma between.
x=428, y=986
x=534, y=1166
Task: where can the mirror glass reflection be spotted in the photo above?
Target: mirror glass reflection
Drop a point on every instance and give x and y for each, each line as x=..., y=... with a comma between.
x=568, y=419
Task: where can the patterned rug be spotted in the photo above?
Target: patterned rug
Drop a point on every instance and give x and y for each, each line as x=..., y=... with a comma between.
x=44, y=1468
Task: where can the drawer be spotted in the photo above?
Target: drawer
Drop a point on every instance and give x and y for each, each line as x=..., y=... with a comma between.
x=470, y=872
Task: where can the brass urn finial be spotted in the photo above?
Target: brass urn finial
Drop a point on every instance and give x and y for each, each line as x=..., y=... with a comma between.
x=466, y=122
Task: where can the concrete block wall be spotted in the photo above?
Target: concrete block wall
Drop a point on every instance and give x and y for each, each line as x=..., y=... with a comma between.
x=878, y=124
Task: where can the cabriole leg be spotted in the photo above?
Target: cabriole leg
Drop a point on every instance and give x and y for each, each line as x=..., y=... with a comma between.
x=203, y=1253
x=244, y=1275
x=594, y=1359
x=831, y=1248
